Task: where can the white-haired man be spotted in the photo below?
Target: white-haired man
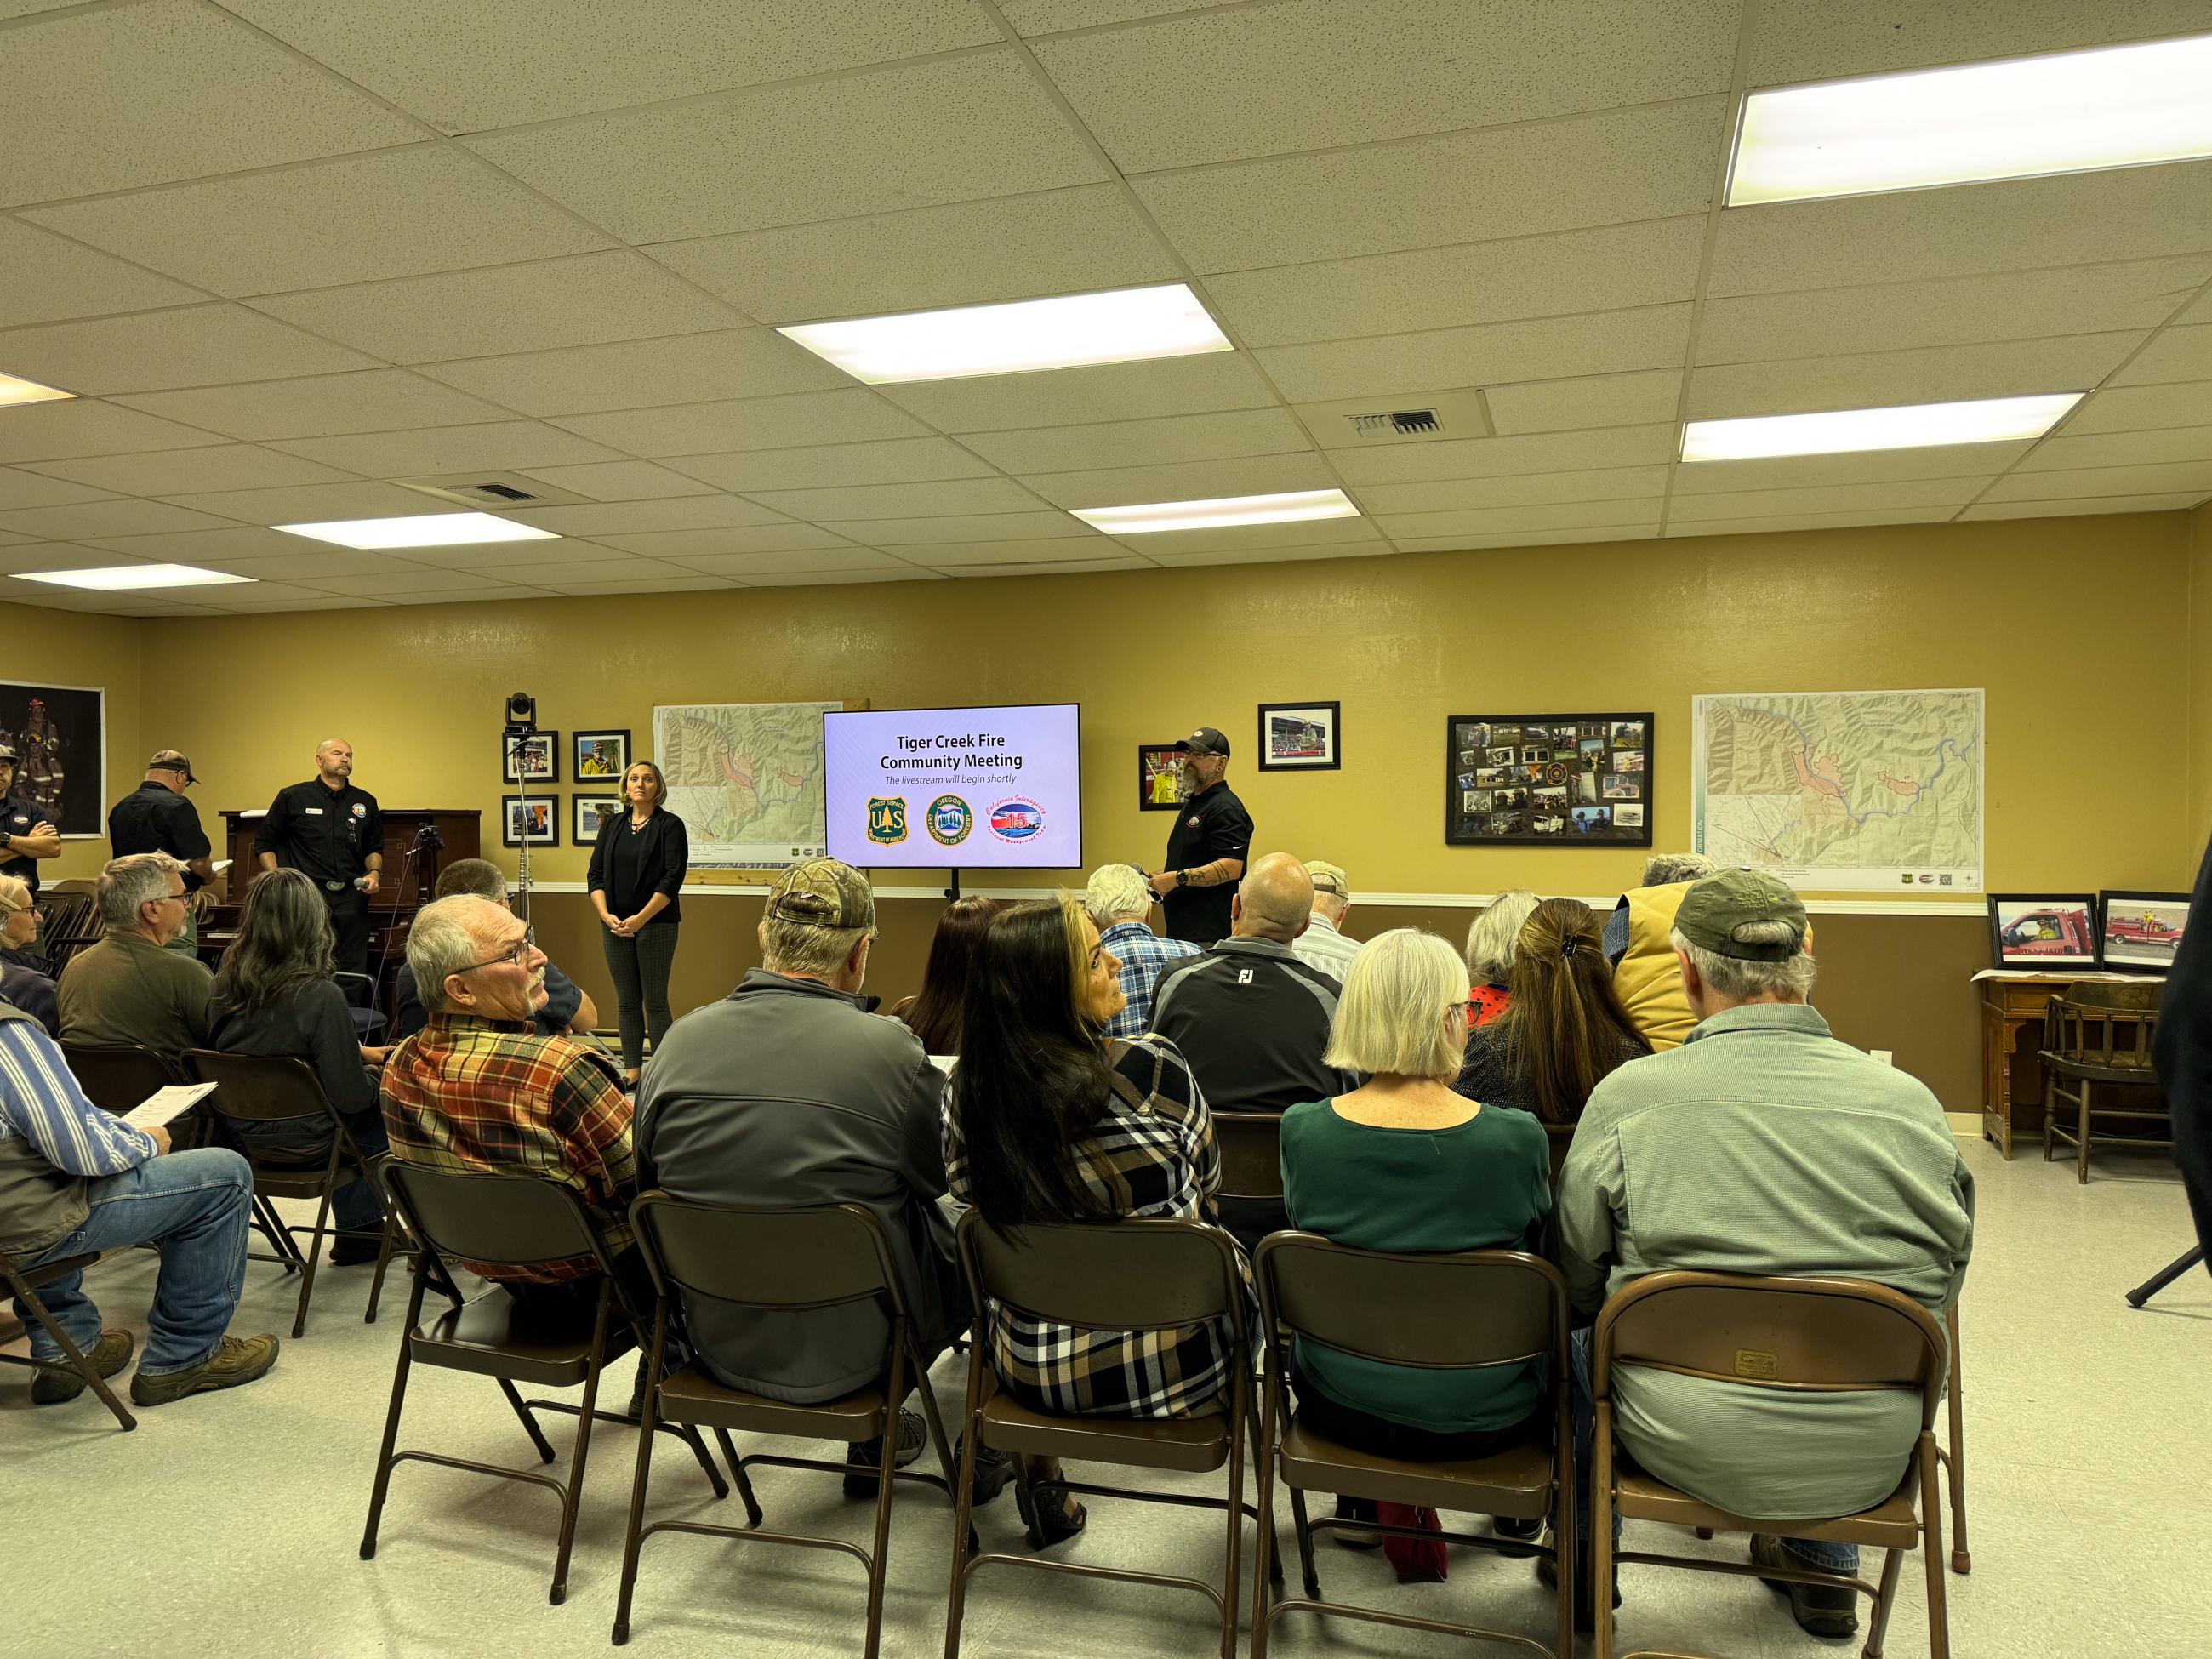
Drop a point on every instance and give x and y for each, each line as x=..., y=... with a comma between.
x=1120, y=900
x=1324, y=944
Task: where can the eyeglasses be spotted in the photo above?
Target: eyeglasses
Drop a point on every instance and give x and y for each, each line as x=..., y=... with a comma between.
x=522, y=948
x=179, y=894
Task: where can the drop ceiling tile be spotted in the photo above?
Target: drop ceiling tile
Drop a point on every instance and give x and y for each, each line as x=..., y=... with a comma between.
x=898, y=460
x=951, y=129
x=1418, y=461
x=1062, y=241
x=1046, y=16
x=321, y=602
x=174, y=471
x=603, y=570
x=58, y=431
x=683, y=368
x=1592, y=400
x=1071, y=396
x=1818, y=40
x=2172, y=501
x=1656, y=337
x=2007, y=305
x=313, y=503
x=1871, y=467
x=1608, y=169
x=1450, y=495
x=264, y=596
x=1612, y=268
x=397, y=213
x=2176, y=478
x=8, y=538
x=1083, y=568
x=1254, y=81
x=902, y=500
x=2132, y=409
x=1880, y=379
x=807, y=417
x=432, y=450
x=1679, y=527
x=1184, y=481
x=490, y=556
x=743, y=566
x=601, y=519
x=2180, y=443
x=975, y=527
x=57, y=555
x=619, y=481
x=106, y=603
x=455, y=63
x=111, y=518
x=2083, y=218
x=1312, y=532
x=12, y=9
x=691, y=584
x=220, y=550
x=2179, y=354
x=1278, y=555
x=838, y=578
x=320, y=405
x=414, y=579
x=1500, y=520
x=1142, y=443
x=108, y=98
x=689, y=547
x=1829, y=498
x=154, y=350
x=584, y=300
x=1035, y=550
x=1528, y=538
x=32, y=489
x=50, y=278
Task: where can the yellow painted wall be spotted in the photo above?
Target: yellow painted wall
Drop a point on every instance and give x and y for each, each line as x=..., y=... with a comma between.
x=2199, y=639
x=2089, y=704
x=66, y=648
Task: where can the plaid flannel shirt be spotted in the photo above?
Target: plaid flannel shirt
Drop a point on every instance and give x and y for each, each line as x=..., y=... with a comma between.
x=1143, y=956
x=1151, y=1153
x=469, y=1094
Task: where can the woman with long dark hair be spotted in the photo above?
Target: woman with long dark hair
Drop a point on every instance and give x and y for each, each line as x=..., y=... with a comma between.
x=637, y=871
x=1049, y=1119
x=933, y=1012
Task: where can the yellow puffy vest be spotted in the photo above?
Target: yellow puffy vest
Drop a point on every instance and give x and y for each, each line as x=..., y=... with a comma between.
x=1648, y=977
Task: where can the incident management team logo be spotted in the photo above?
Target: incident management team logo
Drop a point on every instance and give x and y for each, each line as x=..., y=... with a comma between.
x=887, y=820
x=1017, y=818
x=950, y=820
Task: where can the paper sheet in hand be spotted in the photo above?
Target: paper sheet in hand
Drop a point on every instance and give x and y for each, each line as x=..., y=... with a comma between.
x=158, y=1107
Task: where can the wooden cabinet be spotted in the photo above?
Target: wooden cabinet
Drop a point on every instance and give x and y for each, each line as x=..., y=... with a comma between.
x=2013, y=1007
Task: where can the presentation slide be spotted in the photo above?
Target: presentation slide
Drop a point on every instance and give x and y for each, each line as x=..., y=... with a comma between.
x=956, y=788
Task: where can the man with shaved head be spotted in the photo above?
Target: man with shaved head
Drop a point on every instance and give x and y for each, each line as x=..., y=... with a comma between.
x=329, y=831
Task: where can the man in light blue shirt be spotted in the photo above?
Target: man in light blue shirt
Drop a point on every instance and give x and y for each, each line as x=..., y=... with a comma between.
x=1324, y=944
x=1120, y=902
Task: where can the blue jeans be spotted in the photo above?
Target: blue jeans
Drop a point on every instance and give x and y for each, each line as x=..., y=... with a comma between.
x=355, y=1207
x=194, y=1205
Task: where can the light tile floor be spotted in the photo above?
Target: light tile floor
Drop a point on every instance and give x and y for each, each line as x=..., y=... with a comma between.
x=231, y=1523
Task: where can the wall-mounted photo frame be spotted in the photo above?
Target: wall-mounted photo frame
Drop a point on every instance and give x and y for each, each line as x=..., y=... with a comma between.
x=598, y=756
x=589, y=813
x=1575, y=780
x=544, y=820
x=2043, y=929
x=59, y=733
x=533, y=759
x=1159, y=777
x=2139, y=933
x=1301, y=737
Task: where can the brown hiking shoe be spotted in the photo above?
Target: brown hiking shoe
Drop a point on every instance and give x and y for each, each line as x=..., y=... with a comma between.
x=235, y=1360
x=109, y=1355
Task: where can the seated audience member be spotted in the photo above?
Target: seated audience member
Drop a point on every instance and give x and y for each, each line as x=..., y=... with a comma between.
x=275, y=995
x=567, y=1008
x=788, y=1094
x=128, y=988
x=75, y=1180
x=1637, y=945
x=478, y=1089
x=1120, y=902
x=23, y=982
x=1764, y=1145
x=933, y=1013
x=1050, y=1119
x=1324, y=944
x=1565, y=1029
x=1490, y=940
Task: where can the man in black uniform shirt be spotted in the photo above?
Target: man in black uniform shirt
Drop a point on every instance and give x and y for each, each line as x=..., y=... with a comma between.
x=156, y=818
x=25, y=836
x=1208, y=847
x=329, y=831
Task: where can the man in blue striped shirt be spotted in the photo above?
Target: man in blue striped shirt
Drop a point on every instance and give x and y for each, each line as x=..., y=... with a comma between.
x=1120, y=902
x=75, y=1180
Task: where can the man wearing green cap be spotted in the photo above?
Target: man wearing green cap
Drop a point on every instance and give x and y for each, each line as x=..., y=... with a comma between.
x=1763, y=1145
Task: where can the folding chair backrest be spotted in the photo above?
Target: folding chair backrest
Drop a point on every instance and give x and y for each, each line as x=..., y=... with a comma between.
x=789, y=1259
x=259, y=1088
x=1251, y=1145
x=1460, y=1311
x=117, y=1078
x=503, y=1220
x=1112, y=1275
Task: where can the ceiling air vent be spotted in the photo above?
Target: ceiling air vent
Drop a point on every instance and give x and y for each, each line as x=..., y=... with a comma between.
x=492, y=489
x=1398, y=424
x=1426, y=418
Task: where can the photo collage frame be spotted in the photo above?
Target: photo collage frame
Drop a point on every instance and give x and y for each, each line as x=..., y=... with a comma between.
x=1548, y=779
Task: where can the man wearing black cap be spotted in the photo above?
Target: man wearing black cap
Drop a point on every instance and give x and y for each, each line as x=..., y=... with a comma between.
x=156, y=818
x=1208, y=847
x=25, y=835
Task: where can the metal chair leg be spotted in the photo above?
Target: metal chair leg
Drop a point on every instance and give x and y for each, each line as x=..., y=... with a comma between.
x=1885, y=1598
x=383, y=1263
x=78, y=1361
x=737, y=1464
x=383, y=1484
x=1304, y=1530
x=632, y=1533
x=572, y=1497
x=1931, y=1548
x=545, y=1452
x=314, y=1254
x=1953, y=1458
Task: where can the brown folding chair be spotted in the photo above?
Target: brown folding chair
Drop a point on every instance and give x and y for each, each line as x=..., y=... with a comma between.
x=22, y=1282
x=1122, y=1275
x=283, y=1089
x=118, y=1077
x=513, y=1221
x=791, y=1261
x=1783, y=1336
x=1251, y=1145
x=1467, y=1311
x=2076, y=1063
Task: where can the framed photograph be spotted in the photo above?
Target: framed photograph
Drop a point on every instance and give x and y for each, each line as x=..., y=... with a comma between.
x=592, y=810
x=1579, y=779
x=2140, y=932
x=600, y=756
x=544, y=821
x=534, y=759
x=1306, y=736
x=1159, y=777
x=2043, y=929
x=60, y=737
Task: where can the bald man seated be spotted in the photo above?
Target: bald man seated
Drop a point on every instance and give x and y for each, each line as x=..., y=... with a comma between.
x=331, y=831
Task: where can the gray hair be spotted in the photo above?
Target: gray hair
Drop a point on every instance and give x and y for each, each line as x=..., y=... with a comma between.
x=439, y=942
x=1492, y=936
x=129, y=882
x=478, y=876
x=1790, y=980
x=1664, y=869
x=801, y=948
x=1400, y=1013
x=1116, y=892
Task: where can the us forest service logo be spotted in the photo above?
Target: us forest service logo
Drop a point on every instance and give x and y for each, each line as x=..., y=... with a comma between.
x=1017, y=818
x=950, y=820
x=887, y=820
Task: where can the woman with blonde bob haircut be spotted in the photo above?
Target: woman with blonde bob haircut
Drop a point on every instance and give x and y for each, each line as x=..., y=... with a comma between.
x=1401, y=1164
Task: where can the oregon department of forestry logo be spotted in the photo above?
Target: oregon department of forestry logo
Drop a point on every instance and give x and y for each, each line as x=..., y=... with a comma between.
x=887, y=820
x=1016, y=818
x=950, y=820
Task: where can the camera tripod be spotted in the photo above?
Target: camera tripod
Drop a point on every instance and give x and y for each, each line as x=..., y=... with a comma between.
x=2166, y=1276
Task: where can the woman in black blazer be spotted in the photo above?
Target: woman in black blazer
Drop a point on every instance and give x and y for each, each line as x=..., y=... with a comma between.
x=637, y=871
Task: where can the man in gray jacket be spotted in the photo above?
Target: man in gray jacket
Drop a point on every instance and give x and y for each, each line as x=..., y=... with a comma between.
x=791, y=1092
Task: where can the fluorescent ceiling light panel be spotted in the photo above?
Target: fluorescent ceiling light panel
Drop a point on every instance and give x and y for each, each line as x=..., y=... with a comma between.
x=1285, y=509
x=1124, y=326
x=1908, y=426
x=13, y=391
x=2075, y=112
x=118, y=576
x=419, y=530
